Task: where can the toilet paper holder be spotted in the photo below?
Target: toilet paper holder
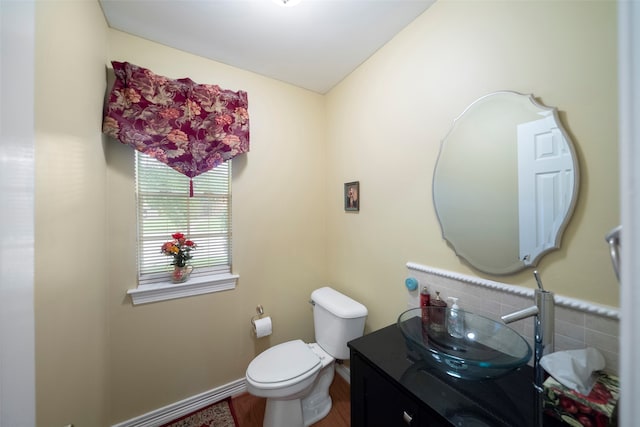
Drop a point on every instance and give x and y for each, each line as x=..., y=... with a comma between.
x=260, y=312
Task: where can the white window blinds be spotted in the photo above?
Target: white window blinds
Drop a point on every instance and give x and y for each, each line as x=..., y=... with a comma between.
x=164, y=208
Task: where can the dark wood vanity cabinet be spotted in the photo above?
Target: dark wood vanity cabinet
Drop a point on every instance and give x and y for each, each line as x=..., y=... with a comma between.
x=377, y=401
x=390, y=387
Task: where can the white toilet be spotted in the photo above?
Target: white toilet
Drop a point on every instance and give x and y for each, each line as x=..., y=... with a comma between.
x=294, y=376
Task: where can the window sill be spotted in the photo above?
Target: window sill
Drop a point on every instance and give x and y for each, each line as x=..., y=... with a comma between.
x=163, y=291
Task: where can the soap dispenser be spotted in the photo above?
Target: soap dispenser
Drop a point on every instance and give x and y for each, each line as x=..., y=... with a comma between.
x=455, y=320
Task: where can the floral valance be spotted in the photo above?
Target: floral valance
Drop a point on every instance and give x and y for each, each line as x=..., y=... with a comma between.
x=189, y=126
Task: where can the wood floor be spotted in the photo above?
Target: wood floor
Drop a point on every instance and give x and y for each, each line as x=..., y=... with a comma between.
x=250, y=409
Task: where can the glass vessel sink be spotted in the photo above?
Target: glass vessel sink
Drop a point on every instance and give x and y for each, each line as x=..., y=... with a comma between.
x=487, y=349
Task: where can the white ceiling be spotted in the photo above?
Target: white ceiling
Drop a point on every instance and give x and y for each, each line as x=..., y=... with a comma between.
x=313, y=45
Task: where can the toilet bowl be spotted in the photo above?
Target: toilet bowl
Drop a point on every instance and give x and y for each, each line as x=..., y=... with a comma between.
x=294, y=376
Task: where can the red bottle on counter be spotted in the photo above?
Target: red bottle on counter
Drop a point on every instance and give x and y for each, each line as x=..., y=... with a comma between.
x=425, y=301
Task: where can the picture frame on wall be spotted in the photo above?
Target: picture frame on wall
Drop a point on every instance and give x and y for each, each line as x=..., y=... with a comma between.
x=352, y=196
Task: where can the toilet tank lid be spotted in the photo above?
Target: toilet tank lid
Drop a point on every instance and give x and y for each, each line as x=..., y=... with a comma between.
x=338, y=304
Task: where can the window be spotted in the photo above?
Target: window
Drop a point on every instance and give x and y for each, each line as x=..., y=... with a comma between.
x=164, y=208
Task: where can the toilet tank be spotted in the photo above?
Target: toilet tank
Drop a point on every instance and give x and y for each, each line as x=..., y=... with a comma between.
x=337, y=319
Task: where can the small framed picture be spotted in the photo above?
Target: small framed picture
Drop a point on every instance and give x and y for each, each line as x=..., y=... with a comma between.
x=352, y=196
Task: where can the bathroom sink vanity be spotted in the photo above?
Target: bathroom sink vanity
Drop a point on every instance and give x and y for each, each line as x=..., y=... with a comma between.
x=391, y=386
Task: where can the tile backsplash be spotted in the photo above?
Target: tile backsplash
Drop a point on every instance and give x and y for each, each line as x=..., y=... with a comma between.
x=578, y=324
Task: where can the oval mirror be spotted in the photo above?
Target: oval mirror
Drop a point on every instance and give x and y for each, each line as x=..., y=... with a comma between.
x=505, y=183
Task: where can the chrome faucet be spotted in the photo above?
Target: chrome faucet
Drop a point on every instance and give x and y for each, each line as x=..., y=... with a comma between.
x=543, y=336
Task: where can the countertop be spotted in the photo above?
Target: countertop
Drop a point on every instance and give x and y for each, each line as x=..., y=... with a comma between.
x=506, y=401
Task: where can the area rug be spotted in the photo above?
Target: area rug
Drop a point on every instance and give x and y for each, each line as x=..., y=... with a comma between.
x=219, y=414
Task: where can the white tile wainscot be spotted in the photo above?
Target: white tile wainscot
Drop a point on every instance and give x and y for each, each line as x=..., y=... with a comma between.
x=578, y=323
x=198, y=285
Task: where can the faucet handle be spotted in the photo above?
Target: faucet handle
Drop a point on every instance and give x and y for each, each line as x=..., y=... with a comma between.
x=538, y=281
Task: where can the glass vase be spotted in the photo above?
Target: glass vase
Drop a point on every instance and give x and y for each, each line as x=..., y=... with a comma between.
x=181, y=274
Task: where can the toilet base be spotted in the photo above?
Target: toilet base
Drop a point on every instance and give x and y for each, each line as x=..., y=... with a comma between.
x=279, y=413
x=306, y=411
x=317, y=404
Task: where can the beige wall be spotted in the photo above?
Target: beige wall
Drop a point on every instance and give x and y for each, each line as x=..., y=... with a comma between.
x=70, y=286
x=101, y=361
x=165, y=352
x=385, y=123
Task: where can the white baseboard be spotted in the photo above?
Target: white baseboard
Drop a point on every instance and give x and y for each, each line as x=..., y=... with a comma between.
x=179, y=409
x=186, y=406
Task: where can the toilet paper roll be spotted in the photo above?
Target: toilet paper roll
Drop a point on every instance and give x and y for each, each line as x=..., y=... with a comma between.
x=262, y=326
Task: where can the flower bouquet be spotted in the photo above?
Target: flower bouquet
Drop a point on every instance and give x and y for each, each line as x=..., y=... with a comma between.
x=180, y=249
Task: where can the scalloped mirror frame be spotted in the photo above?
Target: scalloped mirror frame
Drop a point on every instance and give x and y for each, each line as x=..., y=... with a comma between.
x=505, y=183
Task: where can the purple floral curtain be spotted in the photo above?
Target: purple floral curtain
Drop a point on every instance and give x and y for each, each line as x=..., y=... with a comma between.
x=190, y=127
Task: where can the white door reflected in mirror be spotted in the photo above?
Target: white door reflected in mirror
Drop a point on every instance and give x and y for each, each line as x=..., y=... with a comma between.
x=545, y=179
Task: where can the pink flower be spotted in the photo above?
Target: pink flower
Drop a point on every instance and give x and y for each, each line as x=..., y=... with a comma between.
x=167, y=248
x=132, y=95
x=223, y=120
x=110, y=126
x=193, y=108
x=178, y=137
x=242, y=115
x=180, y=249
x=231, y=140
x=170, y=113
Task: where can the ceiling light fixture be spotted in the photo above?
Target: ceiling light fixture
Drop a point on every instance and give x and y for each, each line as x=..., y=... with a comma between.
x=287, y=3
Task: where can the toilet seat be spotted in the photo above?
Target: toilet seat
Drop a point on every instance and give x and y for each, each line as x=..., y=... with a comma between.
x=284, y=364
